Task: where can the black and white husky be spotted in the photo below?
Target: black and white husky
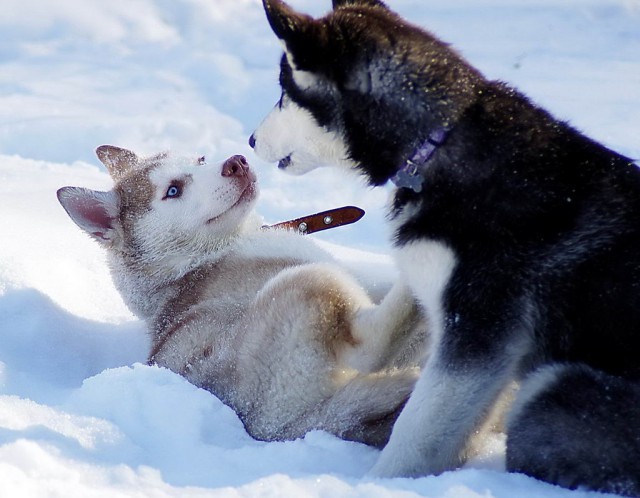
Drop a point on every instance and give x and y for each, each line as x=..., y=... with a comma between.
x=264, y=319
x=518, y=235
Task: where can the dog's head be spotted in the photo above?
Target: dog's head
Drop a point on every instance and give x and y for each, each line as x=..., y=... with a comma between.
x=164, y=210
x=360, y=87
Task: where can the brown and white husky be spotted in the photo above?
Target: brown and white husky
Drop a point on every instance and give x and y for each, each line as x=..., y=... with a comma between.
x=264, y=319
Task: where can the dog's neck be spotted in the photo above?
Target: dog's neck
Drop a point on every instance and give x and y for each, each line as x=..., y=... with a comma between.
x=411, y=173
x=146, y=282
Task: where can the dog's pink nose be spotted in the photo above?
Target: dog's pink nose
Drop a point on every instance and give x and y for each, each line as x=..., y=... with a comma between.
x=235, y=166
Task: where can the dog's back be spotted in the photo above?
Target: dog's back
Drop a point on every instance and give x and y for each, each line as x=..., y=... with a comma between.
x=552, y=215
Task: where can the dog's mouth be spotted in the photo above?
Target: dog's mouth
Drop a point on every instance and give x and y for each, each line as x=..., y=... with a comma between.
x=285, y=162
x=247, y=195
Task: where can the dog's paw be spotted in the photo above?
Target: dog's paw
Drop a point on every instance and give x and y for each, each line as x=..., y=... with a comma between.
x=404, y=462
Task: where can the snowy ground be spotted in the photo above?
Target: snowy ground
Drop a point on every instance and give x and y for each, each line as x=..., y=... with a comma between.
x=80, y=414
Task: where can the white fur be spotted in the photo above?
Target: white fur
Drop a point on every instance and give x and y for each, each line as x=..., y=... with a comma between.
x=427, y=267
x=535, y=383
x=291, y=131
x=450, y=401
x=421, y=438
x=179, y=232
x=304, y=79
x=372, y=327
x=262, y=318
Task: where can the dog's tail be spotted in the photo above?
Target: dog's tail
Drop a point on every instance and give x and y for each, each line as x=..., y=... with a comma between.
x=365, y=408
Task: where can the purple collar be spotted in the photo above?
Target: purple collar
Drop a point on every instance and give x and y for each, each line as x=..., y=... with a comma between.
x=411, y=173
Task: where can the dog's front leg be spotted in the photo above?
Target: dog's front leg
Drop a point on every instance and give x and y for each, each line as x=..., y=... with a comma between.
x=433, y=431
x=476, y=341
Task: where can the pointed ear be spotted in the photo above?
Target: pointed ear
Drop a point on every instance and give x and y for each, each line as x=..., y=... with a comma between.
x=305, y=38
x=370, y=3
x=118, y=161
x=93, y=211
x=284, y=21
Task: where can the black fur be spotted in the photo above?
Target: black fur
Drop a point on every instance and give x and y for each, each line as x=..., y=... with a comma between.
x=548, y=440
x=544, y=222
x=342, y=3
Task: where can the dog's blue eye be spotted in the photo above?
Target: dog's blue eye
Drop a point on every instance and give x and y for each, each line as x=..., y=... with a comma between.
x=173, y=191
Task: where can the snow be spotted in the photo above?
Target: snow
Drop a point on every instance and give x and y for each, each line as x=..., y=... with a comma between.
x=80, y=413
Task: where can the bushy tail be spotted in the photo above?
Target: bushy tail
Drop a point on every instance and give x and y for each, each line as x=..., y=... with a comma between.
x=367, y=406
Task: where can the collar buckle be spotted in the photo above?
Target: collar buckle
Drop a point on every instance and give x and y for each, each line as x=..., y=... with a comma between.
x=411, y=173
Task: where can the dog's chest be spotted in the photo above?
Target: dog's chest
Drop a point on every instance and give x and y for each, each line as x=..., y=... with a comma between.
x=427, y=266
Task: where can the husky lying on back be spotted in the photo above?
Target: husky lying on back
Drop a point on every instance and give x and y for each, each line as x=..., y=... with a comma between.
x=518, y=235
x=263, y=319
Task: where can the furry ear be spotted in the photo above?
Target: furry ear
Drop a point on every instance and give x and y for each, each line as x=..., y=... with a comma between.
x=91, y=210
x=284, y=21
x=118, y=161
x=370, y=3
x=305, y=38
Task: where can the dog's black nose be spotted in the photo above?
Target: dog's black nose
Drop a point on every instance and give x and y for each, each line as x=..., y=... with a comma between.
x=235, y=166
x=252, y=141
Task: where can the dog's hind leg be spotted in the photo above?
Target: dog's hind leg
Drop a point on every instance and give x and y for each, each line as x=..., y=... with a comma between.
x=392, y=333
x=577, y=427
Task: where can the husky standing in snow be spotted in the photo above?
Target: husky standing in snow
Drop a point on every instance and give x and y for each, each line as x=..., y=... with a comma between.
x=263, y=319
x=518, y=235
